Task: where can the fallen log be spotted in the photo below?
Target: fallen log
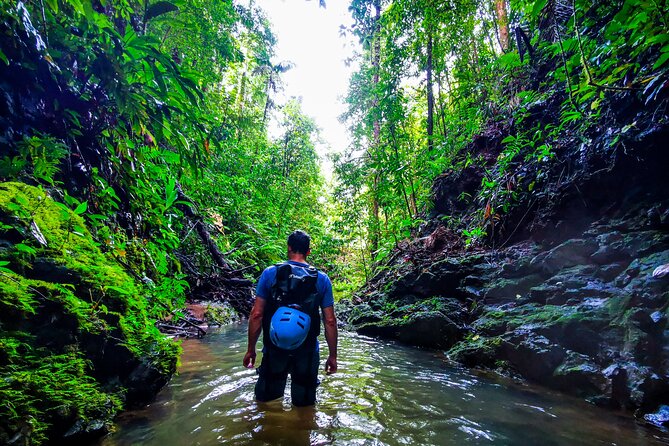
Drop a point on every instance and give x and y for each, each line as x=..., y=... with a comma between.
x=201, y=229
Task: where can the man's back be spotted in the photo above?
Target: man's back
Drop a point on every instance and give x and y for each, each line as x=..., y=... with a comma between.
x=291, y=285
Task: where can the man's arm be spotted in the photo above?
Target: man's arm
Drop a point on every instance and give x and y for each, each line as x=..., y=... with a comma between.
x=255, y=327
x=330, y=322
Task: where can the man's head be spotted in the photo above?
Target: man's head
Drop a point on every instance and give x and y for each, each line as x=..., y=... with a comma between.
x=298, y=243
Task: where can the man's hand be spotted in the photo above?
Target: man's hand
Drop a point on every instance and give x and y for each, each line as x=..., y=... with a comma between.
x=250, y=359
x=331, y=365
x=255, y=327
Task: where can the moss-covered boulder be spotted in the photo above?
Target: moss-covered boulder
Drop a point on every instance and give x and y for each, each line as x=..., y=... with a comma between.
x=76, y=339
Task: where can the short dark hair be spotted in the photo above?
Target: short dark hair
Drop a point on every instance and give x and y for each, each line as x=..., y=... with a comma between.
x=299, y=242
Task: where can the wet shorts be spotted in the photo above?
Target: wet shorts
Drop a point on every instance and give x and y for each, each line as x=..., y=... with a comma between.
x=273, y=373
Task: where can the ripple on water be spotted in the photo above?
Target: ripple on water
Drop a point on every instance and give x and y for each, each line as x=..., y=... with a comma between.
x=384, y=394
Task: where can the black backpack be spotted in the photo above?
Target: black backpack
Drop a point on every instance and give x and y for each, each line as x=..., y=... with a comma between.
x=294, y=291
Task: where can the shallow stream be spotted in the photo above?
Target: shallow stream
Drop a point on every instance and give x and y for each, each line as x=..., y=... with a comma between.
x=383, y=394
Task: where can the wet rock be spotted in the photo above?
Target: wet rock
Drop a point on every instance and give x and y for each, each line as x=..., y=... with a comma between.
x=609, y=272
x=143, y=383
x=533, y=355
x=649, y=322
x=611, y=250
x=363, y=314
x=449, y=188
x=542, y=293
x=645, y=243
x=661, y=271
x=659, y=418
x=591, y=290
x=86, y=431
x=472, y=281
x=617, y=393
x=505, y=290
x=579, y=375
x=570, y=253
x=478, y=351
x=440, y=278
x=646, y=266
x=586, y=317
x=574, y=277
x=490, y=323
x=50, y=271
x=430, y=329
x=646, y=387
x=417, y=325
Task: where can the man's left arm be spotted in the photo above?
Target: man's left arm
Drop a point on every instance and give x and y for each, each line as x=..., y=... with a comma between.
x=330, y=322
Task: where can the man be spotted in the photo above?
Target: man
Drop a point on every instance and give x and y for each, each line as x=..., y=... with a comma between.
x=299, y=291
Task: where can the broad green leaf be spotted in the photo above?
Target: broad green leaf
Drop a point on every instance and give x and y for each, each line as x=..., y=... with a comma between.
x=81, y=208
x=158, y=9
x=119, y=290
x=21, y=247
x=661, y=61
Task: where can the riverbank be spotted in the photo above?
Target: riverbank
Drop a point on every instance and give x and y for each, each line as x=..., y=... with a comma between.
x=566, y=287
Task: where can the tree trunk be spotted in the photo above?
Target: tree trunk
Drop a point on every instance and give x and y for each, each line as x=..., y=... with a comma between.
x=240, y=104
x=376, y=62
x=502, y=24
x=202, y=231
x=430, y=94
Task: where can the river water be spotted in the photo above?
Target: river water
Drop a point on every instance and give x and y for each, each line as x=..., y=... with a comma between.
x=383, y=394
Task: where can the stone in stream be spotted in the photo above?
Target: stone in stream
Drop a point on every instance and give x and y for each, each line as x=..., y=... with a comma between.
x=660, y=417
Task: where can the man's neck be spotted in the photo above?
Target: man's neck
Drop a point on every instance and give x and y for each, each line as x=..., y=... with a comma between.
x=297, y=258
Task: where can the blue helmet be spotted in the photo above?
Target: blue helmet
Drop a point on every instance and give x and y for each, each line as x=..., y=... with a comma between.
x=289, y=328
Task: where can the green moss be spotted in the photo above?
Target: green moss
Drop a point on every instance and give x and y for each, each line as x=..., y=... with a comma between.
x=477, y=350
x=491, y=322
x=42, y=386
x=530, y=314
x=45, y=375
x=220, y=314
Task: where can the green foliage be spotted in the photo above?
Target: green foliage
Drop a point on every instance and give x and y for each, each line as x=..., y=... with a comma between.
x=119, y=109
x=37, y=386
x=46, y=376
x=424, y=62
x=387, y=175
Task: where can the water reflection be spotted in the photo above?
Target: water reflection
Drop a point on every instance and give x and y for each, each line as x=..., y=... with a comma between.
x=384, y=394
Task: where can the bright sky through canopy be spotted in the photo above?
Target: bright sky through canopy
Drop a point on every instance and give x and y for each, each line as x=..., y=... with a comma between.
x=309, y=37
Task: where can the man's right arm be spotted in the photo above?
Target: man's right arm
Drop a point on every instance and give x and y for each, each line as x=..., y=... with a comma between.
x=330, y=322
x=255, y=327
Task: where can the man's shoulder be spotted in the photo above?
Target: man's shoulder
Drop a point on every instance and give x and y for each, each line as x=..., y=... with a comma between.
x=268, y=273
x=323, y=276
x=272, y=268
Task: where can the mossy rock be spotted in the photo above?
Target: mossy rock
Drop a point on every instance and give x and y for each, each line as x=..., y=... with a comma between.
x=421, y=328
x=579, y=375
x=478, y=351
x=76, y=332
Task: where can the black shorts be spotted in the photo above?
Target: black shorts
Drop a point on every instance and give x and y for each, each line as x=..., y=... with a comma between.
x=273, y=373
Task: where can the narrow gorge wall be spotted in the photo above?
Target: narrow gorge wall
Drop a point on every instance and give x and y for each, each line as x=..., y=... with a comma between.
x=563, y=292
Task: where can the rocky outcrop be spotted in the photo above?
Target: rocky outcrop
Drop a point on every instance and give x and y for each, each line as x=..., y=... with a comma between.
x=585, y=316
x=562, y=292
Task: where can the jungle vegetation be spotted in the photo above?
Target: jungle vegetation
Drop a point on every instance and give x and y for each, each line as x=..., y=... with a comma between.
x=139, y=119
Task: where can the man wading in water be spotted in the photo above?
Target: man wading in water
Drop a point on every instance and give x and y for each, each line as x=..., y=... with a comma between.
x=286, y=310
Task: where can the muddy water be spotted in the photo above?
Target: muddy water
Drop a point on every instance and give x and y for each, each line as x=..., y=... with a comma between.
x=384, y=394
